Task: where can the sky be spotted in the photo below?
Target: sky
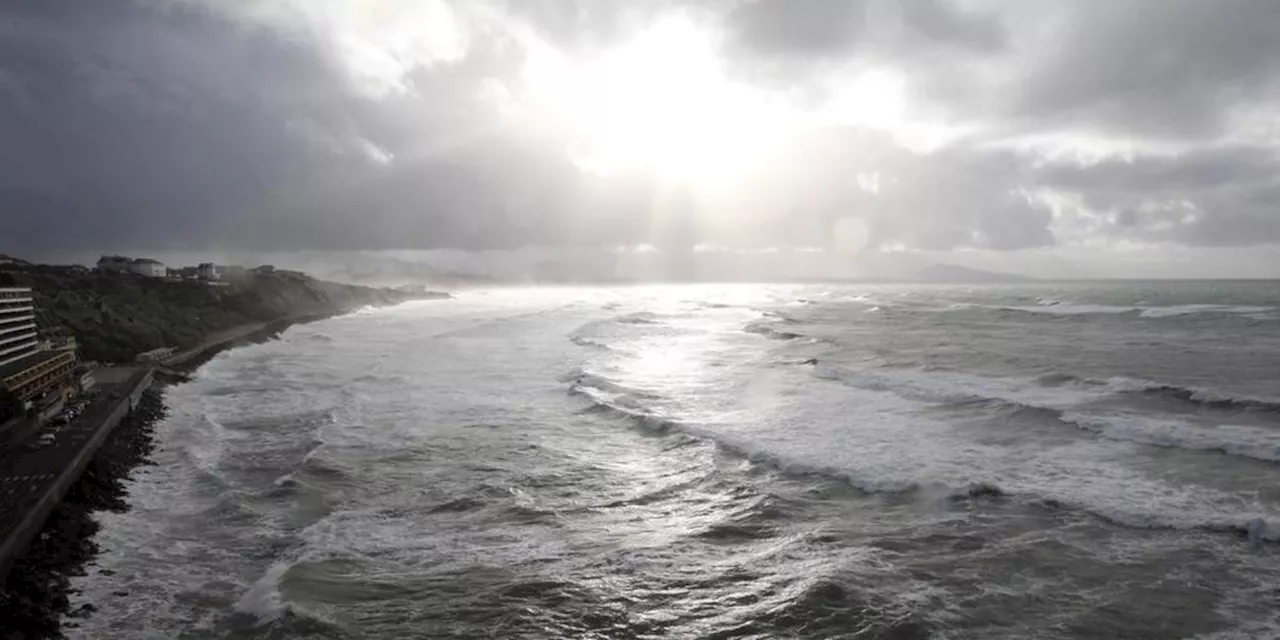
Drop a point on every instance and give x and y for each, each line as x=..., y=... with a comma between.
x=1056, y=138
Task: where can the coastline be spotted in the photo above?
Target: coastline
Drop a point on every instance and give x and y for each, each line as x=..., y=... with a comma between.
x=37, y=588
x=180, y=365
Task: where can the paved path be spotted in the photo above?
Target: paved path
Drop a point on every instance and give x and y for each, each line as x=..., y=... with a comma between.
x=28, y=468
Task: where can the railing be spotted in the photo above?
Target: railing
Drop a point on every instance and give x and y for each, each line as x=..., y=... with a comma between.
x=11, y=319
x=4, y=340
x=30, y=386
x=33, y=345
x=26, y=309
x=30, y=326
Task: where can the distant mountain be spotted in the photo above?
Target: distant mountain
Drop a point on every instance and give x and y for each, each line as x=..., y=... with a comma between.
x=941, y=272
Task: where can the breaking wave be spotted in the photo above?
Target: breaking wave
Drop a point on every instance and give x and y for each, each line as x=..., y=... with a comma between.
x=620, y=402
x=1050, y=306
x=639, y=317
x=1237, y=440
x=590, y=343
x=1198, y=397
x=765, y=329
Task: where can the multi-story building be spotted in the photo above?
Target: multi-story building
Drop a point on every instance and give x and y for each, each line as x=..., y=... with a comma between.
x=27, y=371
x=140, y=266
x=18, y=337
x=148, y=267
x=207, y=271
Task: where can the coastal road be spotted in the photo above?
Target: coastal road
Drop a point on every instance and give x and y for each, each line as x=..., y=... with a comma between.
x=28, y=468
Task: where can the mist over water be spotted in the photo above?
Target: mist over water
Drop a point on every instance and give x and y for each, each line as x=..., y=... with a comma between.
x=749, y=461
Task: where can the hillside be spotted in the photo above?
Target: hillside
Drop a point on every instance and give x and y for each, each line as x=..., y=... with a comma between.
x=114, y=317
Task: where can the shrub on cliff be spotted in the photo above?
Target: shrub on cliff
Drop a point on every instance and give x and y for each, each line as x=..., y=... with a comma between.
x=114, y=317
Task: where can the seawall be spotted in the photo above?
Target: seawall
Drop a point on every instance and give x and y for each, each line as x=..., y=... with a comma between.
x=60, y=469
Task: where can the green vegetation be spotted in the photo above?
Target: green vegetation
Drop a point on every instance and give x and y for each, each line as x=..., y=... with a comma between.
x=114, y=317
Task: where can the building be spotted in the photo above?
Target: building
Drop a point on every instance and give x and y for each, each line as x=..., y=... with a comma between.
x=114, y=264
x=18, y=338
x=28, y=372
x=265, y=269
x=207, y=271
x=148, y=267
x=39, y=375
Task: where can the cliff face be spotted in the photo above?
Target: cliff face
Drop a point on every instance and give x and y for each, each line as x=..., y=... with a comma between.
x=115, y=317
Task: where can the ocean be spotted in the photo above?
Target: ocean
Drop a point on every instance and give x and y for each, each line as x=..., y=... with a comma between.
x=1082, y=460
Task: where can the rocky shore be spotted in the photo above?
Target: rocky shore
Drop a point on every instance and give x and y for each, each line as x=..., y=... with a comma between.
x=36, y=596
x=35, y=599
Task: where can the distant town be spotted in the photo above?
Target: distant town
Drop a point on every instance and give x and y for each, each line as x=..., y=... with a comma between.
x=81, y=347
x=205, y=271
x=41, y=377
x=52, y=314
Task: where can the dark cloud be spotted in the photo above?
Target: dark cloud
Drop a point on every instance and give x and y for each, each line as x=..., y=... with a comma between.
x=1170, y=69
x=164, y=124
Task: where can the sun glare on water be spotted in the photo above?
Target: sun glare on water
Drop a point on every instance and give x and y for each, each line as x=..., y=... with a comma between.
x=660, y=102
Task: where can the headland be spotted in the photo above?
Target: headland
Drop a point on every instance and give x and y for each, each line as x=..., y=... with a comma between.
x=81, y=351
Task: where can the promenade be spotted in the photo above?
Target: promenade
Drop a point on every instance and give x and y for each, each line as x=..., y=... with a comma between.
x=35, y=475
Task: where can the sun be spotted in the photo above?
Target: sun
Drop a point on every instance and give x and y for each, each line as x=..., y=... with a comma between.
x=660, y=102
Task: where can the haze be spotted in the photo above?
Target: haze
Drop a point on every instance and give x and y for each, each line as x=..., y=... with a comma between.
x=766, y=138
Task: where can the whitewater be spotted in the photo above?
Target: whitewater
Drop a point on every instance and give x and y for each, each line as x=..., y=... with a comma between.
x=729, y=461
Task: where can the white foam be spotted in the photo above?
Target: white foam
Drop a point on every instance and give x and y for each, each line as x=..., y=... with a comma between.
x=1126, y=384
x=874, y=430
x=1055, y=307
x=1239, y=440
x=1184, y=309
x=263, y=600
x=951, y=386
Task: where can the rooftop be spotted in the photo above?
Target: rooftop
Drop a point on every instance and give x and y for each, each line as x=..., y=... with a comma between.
x=22, y=364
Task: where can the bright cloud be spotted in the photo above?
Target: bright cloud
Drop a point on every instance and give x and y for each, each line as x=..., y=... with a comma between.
x=1071, y=129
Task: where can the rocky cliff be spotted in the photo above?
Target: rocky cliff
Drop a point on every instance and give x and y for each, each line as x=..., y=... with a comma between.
x=116, y=316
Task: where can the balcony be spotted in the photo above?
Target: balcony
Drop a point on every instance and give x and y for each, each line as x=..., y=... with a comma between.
x=8, y=351
x=7, y=340
x=8, y=329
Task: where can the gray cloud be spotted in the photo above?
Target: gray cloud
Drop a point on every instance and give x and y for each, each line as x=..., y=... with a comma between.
x=1170, y=69
x=1213, y=197
x=839, y=27
x=189, y=124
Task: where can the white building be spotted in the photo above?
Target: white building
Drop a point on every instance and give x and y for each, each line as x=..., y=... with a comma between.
x=148, y=267
x=207, y=271
x=18, y=338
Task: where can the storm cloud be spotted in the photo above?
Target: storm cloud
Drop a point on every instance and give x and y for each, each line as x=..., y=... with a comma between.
x=939, y=125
